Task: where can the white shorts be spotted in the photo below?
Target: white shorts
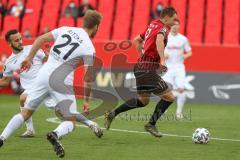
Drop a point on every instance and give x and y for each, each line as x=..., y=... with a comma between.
x=48, y=101
x=41, y=91
x=176, y=77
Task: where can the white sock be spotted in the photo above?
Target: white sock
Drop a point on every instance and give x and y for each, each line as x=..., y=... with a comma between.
x=29, y=124
x=81, y=118
x=180, y=103
x=88, y=123
x=64, y=128
x=12, y=125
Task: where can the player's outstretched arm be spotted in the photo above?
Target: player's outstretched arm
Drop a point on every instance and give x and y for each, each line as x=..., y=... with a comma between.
x=88, y=83
x=187, y=50
x=38, y=42
x=160, y=48
x=138, y=43
x=26, y=64
x=187, y=55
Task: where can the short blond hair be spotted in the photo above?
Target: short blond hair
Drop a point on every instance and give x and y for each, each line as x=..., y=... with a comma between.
x=91, y=19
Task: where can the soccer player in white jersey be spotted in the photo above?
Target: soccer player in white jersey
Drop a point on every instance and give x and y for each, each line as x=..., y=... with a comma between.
x=71, y=45
x=177, y=50
x=13, y=64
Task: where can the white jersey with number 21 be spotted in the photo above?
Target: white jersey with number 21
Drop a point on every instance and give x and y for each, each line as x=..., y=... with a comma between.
x=70, y=44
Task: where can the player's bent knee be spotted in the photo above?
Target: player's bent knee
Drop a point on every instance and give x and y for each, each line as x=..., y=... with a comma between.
x=144, y=99
x=73, y=118
x=22, y=99
x=180, y=90
x=168, y=97
x=21, y=103
x=26, y=113
x=65, y=115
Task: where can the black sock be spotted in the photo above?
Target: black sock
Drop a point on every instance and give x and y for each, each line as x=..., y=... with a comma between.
x=130, y=104
x=161, y=107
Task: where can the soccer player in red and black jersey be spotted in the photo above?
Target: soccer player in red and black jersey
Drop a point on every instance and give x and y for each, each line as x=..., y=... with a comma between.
x=150, y=46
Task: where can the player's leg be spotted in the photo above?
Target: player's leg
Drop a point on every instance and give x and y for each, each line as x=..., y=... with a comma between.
x=169, y=78
x=35, y=97
x=141, y=101
x=53, y=137
x=63, y=129
x=82, y=119
x=142, y=83
x=180, y=102
x=30, y=132
x=15, y=122
x=179, y=81
x=62, y=110
x=162, y=89
x=166, y=100
x=66, y=109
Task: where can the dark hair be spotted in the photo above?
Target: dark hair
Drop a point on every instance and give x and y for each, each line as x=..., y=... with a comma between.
x=169, y=11
x=91, y=19
x=9, y=33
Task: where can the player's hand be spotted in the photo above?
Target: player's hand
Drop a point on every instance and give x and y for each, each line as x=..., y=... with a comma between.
x=26, y=65
x=163, y=68
x=184, y=56
x=86, y=107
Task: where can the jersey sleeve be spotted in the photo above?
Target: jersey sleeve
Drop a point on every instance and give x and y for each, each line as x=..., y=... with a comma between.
x=163, y=31
x=142, y=35
x=186, y=46
x=7, y=72
x=56, y=32
x=40, y=54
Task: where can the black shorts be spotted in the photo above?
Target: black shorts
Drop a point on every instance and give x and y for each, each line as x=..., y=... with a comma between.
x=149, y=82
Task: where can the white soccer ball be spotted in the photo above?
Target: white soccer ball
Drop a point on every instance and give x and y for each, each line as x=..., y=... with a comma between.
x=201, y=136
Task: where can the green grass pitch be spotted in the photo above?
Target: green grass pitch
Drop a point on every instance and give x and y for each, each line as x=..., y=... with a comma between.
x=128, y=142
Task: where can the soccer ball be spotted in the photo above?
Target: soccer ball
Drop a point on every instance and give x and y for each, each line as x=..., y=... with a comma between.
x=201, y=136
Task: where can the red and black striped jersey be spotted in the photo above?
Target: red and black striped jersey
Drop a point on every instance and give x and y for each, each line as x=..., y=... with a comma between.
x=150, y=59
